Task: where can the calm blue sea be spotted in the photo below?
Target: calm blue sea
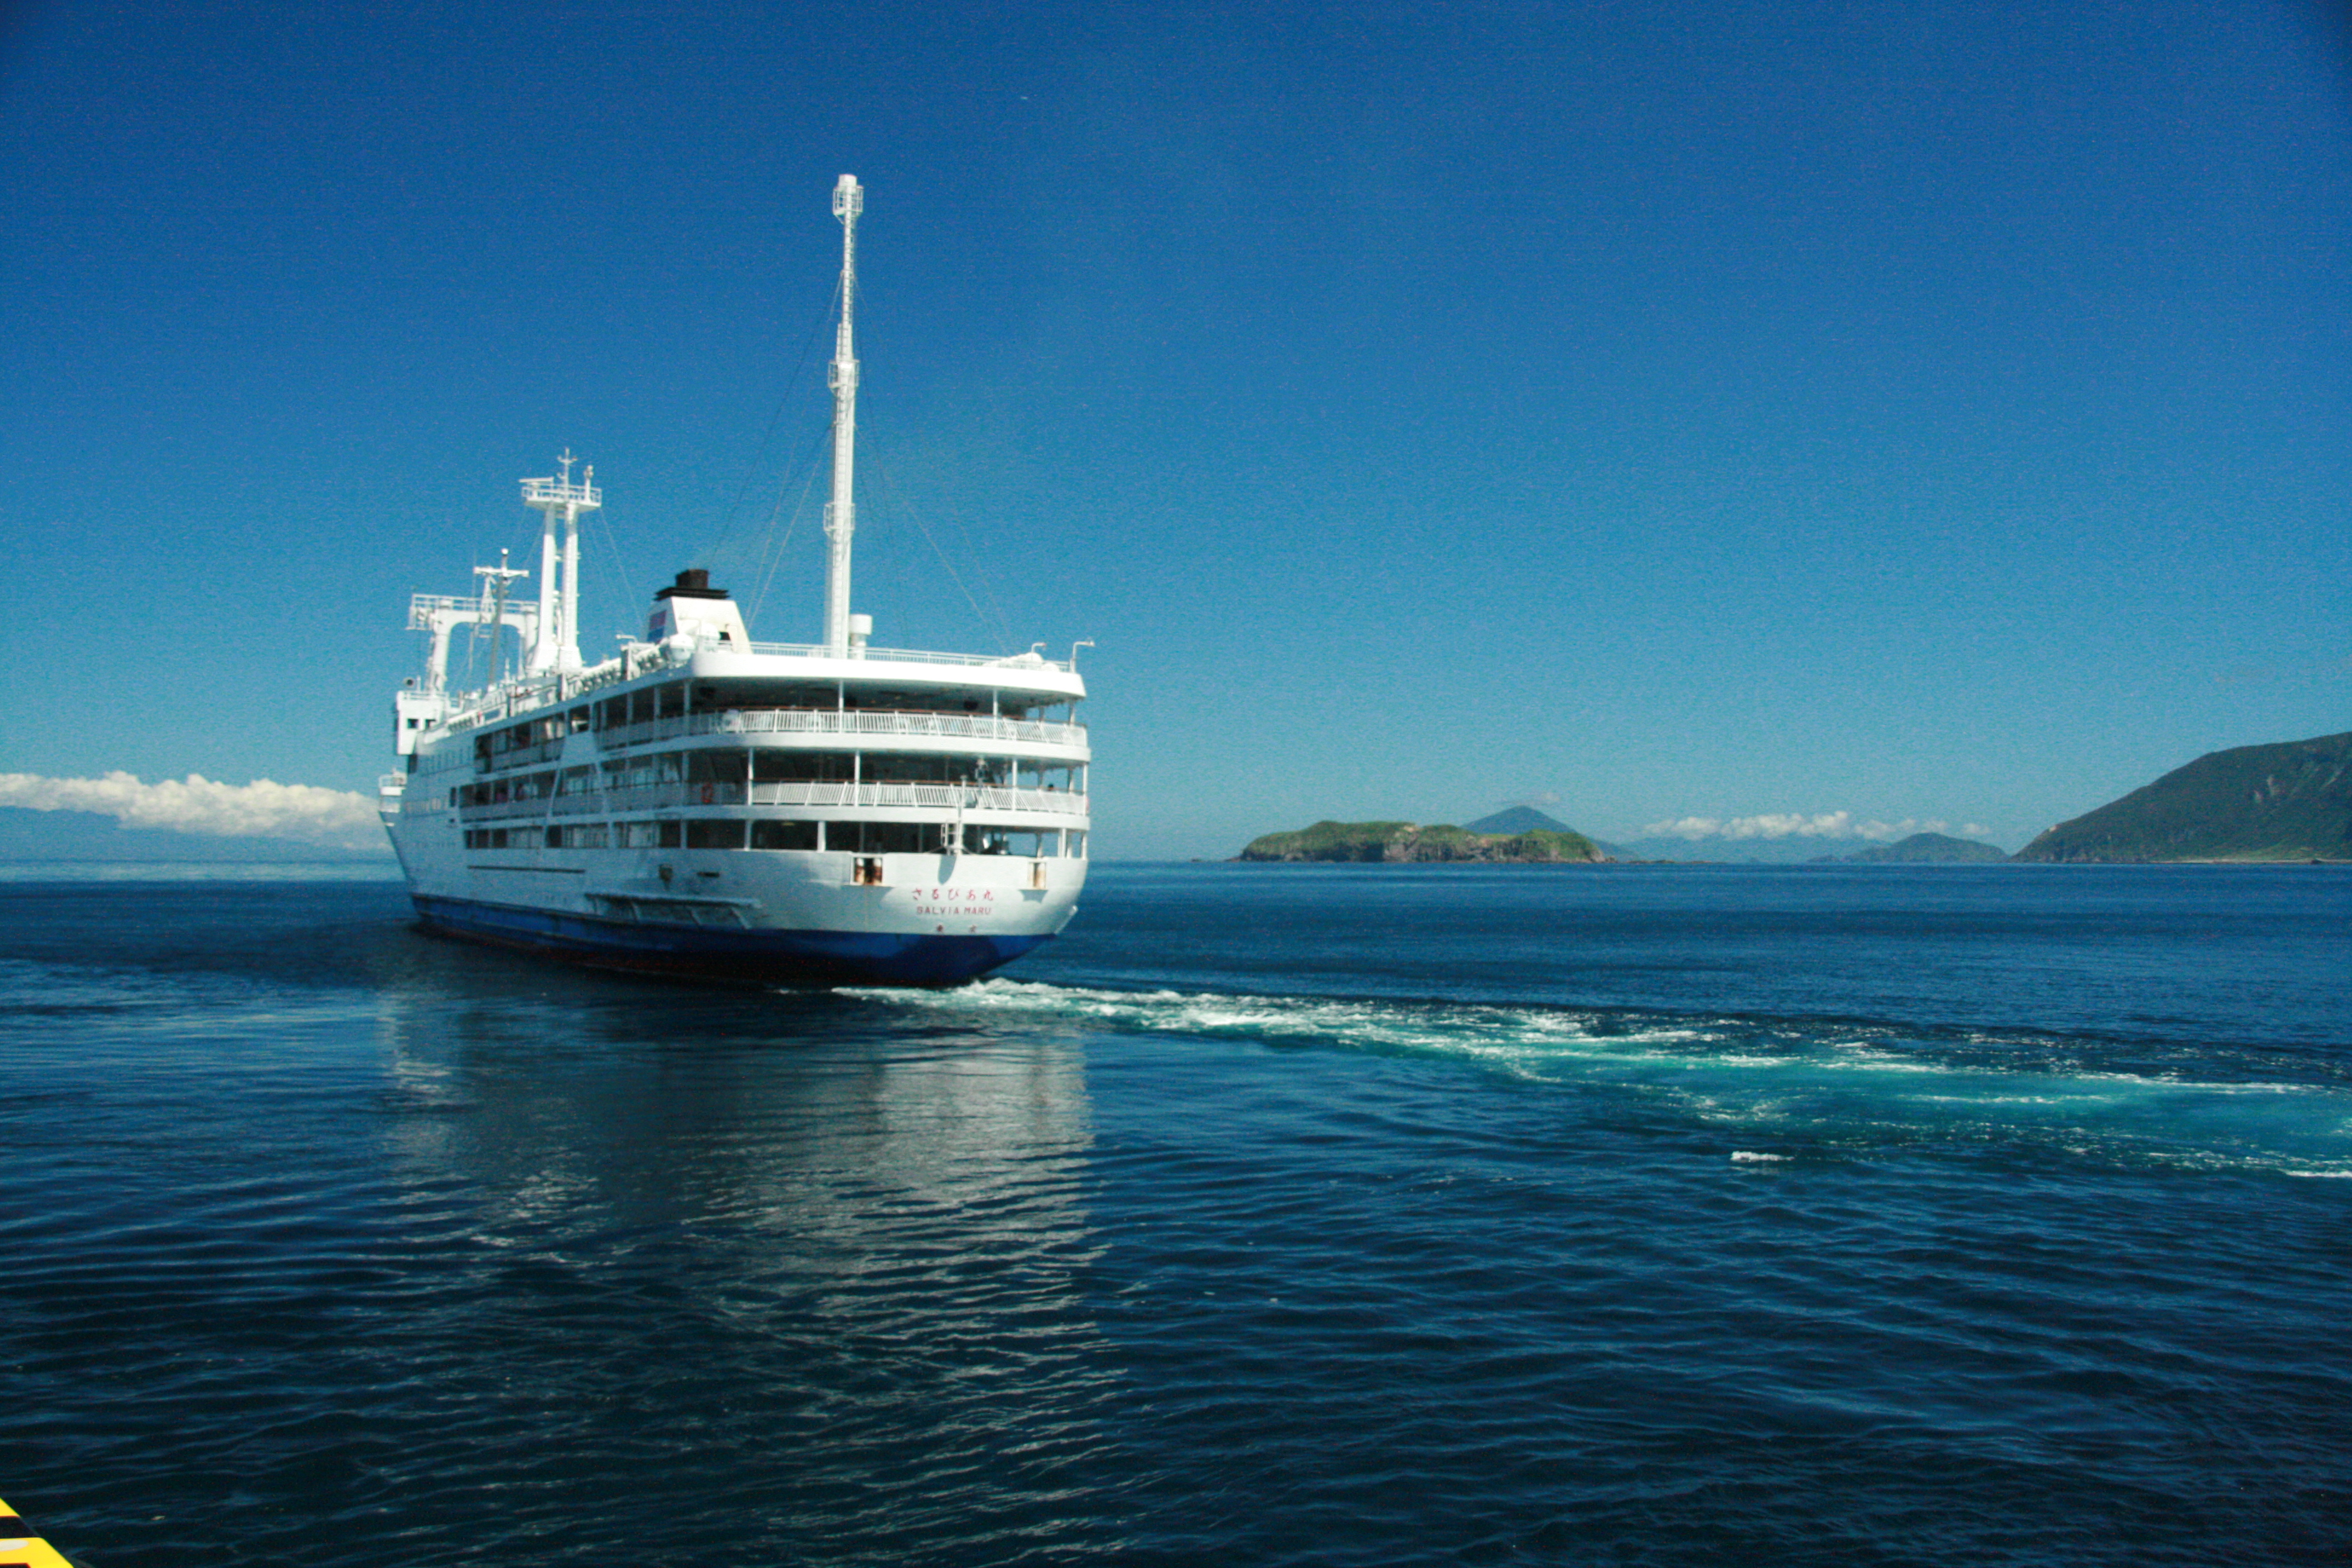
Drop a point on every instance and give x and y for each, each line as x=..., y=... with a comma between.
x=1277, y=1214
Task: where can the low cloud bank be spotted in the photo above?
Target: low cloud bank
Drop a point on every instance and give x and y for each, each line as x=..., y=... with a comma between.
x=1796, y=824
x=331, y=819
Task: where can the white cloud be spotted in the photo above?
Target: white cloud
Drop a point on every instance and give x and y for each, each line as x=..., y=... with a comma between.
x=262, y=809
x=1796, y=824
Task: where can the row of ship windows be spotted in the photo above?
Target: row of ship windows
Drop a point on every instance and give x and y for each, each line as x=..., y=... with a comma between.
x=771, y=767
x=734, y=833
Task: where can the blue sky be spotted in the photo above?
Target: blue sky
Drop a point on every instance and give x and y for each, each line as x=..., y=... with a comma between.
x=1929, y=412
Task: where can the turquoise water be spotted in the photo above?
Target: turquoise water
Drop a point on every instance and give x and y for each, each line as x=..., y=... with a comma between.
x=1274, y=1214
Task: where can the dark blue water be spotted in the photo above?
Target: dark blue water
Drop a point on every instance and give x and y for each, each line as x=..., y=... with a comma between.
x=1277, y=1215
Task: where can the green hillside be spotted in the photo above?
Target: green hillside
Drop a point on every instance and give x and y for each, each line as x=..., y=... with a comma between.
x=2291, y=801
x=1930, y=849
x=1409, y=842
x=1519, y=819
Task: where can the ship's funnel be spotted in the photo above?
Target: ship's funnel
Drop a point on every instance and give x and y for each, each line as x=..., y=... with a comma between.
x=691, y=607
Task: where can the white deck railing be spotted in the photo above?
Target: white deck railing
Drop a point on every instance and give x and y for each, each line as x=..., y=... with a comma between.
x=933, y=796
x=523, y=756
x=839, y=721
x=676, y=796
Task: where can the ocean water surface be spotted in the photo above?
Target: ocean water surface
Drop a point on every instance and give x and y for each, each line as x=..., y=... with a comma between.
x=1274, y=1214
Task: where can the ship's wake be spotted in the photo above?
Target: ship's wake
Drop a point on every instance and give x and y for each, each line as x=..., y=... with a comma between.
x=1780, y=1091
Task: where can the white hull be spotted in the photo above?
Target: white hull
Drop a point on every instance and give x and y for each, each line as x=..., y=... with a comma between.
x=704, y=842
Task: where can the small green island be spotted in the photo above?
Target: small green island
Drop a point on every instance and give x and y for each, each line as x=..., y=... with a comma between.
x=1930, y=849
x=1519, y=836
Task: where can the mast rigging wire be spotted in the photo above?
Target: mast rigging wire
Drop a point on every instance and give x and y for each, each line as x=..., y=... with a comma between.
x=784, y=400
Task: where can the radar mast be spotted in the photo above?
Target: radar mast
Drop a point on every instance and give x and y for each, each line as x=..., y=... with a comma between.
x=841, y=512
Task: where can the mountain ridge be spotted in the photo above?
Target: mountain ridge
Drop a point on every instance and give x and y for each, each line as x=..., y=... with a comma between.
x=2290, y=800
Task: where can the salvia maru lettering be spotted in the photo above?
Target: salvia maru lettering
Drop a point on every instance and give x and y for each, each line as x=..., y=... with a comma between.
x=705, y=805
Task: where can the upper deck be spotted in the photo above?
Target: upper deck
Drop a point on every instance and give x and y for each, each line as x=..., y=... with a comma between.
x=793, y=675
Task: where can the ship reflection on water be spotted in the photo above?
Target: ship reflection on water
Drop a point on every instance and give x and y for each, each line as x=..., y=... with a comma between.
x=823, y=1264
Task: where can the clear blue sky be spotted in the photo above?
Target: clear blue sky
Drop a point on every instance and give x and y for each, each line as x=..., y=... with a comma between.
x=1933, y=411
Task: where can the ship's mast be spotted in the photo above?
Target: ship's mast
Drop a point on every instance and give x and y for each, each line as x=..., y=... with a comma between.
x=841, y=512
x=557, y=647
x=495, y=581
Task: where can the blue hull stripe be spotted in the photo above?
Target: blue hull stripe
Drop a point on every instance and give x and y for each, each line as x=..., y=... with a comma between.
x=711, y=953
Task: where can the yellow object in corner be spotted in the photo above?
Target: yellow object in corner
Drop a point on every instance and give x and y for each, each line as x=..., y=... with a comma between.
x=21, y=1548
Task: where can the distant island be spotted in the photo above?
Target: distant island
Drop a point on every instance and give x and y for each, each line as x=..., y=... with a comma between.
x=1929, y=850
x=2290, y=801
x=2287, y=801
x=1507, y=836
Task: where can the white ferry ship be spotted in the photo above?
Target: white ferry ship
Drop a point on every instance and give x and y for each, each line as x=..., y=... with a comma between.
x=707, y=806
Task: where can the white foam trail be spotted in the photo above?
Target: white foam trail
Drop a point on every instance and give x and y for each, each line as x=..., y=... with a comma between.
x=1850, y=1087
x=1513, y=1037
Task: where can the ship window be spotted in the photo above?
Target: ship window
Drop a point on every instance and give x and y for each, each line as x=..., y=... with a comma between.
x=886, y=768
x=876, y=837
x=669, y=834
x=772, y=767
x=719, y=767
x=866, y=872
x=999, y=841
x=1074, y=845
x=784, y=836
x=555, y=838
x=703, y=833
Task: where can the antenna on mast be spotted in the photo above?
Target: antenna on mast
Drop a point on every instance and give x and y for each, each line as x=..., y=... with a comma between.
x=496, y=580
x=558, y=644
x=841, y=511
